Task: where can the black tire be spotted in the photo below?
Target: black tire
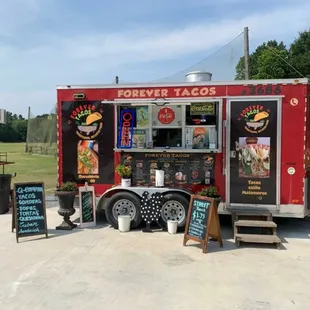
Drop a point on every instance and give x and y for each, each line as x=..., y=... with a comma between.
x=183, y=201
x=136, y=203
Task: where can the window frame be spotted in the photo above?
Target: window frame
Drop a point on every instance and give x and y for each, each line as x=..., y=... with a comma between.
x=175, y=102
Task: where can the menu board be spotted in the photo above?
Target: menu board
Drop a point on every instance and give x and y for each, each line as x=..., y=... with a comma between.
x=199, y=218
x=179, y=168
x=87, y=206
x=29, y=209
x=202, y=222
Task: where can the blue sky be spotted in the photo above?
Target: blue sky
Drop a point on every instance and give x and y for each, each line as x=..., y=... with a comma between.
x=44, y=43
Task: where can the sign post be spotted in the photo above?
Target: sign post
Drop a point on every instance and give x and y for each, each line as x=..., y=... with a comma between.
x=29, y=211
x=202, y=222
x=87, y=206
x=2, y=116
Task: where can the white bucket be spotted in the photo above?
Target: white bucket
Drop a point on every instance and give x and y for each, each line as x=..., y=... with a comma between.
x=124, y=223
x=126, y=182
x=172, y=227
x=159, y=178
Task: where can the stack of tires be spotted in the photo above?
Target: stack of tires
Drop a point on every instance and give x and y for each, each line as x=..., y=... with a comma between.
x=5, y=187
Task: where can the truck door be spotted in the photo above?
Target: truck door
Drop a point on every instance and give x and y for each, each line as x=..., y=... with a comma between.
x=253, y=148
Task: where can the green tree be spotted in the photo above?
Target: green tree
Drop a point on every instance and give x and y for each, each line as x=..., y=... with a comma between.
x=15, y=129
x=299, y=55
x=262, y=58
x=272, y=64
x=272, y=60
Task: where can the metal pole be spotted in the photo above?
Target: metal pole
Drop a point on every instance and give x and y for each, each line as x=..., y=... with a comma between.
x=26, y=150
x=246, y=54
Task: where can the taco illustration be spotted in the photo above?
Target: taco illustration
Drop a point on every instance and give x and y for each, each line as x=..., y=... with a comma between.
x=259, y=116
x=258, y=121
x=90, y=125
x=208, y=160
x=128, y=160
x=93, y=118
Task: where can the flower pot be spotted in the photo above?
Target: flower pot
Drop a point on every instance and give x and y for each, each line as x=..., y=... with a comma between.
x=172, y=227
x=126, y=182
x=124, y=223
x=66, y=209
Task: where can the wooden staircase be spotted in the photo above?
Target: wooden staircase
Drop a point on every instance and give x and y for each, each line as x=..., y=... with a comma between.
x=255, y=220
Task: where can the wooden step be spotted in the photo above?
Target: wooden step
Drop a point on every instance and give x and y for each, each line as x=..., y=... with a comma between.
x=247, y=223
x=252, y=213
x=257, y=238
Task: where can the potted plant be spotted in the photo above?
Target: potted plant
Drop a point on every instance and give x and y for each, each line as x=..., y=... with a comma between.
x=211, y=192
x=125, y=172
x=66, y=195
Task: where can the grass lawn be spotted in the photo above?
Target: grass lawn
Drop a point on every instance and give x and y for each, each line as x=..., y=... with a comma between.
x=30, y=167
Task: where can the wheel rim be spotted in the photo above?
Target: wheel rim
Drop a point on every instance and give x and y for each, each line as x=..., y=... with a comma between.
x=173, y=211
x=123, y=207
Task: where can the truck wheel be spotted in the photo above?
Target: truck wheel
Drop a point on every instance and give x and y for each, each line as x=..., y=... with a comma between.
x=123, y=204
x=174, y=208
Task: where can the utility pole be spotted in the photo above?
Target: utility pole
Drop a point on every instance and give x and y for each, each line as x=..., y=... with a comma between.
x=27, y=140
x=116, y=80
x=246, y=54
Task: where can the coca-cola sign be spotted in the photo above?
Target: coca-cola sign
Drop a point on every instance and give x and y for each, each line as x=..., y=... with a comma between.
x=166, y=116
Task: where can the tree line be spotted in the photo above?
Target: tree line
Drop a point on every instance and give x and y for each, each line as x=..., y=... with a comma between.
x=16, y=126
x=273, y=60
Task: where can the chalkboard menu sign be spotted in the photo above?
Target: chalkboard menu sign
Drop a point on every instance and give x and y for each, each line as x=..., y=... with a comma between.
x=87, y=206
x=202, y=221
x=199, y=218
x=29, y=209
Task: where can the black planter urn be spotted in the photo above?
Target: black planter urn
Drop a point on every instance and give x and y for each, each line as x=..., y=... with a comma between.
x=66, y=209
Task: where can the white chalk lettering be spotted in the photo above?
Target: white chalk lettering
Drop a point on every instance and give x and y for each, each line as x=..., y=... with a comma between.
x=29, y=213
x=29, y=189
x=27, y=208
x=28, y=225
x=30, y=202
x=26, y=231
x=27, y=196
x=30, y=218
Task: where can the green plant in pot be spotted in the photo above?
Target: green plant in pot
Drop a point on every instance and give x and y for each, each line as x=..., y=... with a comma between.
x=212, y=192
x=66, y=195
x=125, y=172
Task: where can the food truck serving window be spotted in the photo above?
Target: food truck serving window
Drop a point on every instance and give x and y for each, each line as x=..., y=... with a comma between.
x=186, y=126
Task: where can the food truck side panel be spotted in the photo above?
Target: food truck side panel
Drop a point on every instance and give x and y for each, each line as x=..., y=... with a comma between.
x=73, y=139
x=293, y=149
x=292, y=137
x=97, y=94
x=307, y=151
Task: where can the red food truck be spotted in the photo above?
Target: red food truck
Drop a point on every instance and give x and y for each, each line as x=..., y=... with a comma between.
x=250, y=139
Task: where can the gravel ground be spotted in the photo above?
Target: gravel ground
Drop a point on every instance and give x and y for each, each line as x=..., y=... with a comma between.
x=100, y=268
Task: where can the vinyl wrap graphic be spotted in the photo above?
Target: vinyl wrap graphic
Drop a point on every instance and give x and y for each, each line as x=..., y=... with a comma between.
x=254, y=141
x=87, y=142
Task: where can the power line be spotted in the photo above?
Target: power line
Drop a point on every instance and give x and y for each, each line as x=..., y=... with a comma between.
x=274, y=51
x=201, y=61
x=192, y=66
